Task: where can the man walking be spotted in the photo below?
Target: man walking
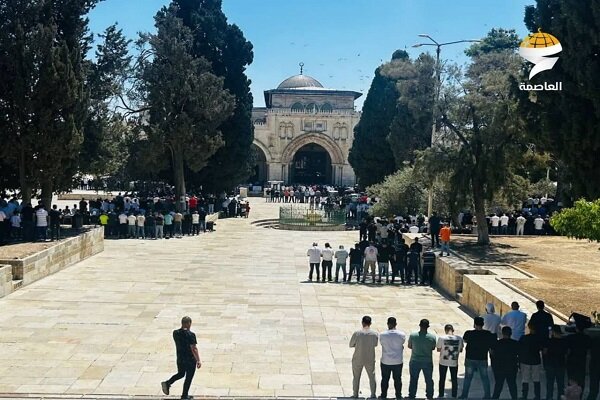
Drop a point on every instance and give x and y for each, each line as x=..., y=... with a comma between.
x=516, y=319
x=364, y=342
x=449, y=346
x=188, y=358
x=422, y=345
x=392, y=348
x=505, y=363
x=314, y=260
x=479, y=342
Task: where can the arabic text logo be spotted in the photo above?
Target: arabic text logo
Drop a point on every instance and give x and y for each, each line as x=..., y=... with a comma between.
x=536, y=48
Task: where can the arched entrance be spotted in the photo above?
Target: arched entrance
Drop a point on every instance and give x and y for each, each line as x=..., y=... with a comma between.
x=311, y=165
x=260, y=170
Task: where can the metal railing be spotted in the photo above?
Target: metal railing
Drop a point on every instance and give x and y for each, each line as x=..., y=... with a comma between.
x=306, y=216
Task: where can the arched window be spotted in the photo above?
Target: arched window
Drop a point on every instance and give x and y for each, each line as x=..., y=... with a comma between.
x=297, y=107
x=312, y=108
x=326, y=108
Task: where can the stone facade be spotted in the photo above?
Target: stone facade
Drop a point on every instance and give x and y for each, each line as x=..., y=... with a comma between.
x=298, y=113
x=22, y=272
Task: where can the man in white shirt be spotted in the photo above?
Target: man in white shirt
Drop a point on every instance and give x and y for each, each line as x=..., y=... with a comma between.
x=131, y=221
x=491, y=320
x=122, y=225
x=314, y=259
x=449, y=346
x=371, y=253
x=504, y=224
x=41, y=223
x=364, y=342
x=392, y=348
x=340, y=262
x=141, y=221
x=327, y=253
x=521, y=225
x=495, y=222
x=516, y=319
x=538, y=224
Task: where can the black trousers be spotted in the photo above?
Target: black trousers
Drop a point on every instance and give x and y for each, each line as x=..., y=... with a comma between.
x=184, y=369
x=511, y=380
x=453, y=378
x=435, y=239
x=55, y=232
x=594, y=379
x=396, y=372
x=399, y=269
x=326, y=267
x=313, y=267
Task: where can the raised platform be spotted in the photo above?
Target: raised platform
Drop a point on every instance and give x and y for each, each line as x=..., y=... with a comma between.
x=16, y=273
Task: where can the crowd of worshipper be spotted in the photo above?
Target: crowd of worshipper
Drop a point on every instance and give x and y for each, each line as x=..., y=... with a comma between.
x=124, y=216
x=554, y=352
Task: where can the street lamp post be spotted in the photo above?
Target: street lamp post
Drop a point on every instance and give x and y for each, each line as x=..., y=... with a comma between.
x=437, y=89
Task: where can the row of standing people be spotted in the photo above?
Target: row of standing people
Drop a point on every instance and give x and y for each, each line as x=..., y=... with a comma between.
x=509, y=353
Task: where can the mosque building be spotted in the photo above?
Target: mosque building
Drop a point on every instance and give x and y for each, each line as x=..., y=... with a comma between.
x=304, y=133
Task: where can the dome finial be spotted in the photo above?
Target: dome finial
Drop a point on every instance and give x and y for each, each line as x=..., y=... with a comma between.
x=301, y=67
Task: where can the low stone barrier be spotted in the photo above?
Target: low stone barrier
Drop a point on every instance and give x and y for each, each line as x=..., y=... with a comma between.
x=6, y=284
x=47, y=262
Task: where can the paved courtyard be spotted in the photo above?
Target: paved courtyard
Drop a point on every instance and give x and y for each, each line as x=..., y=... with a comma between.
x=104, y=326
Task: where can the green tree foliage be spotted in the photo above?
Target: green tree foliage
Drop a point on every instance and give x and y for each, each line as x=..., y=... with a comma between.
x=371, y=156
x=187, y=102
x=566, y=123
x=481, y=137
x=400, y=193
x=496, y=40
x=104, y=149
x=411, y=127
x=580, y=222
x=224, y=46
x=42, y=89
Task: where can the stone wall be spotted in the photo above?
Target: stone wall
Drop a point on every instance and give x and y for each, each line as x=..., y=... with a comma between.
x=5, y=280
x=51, y=260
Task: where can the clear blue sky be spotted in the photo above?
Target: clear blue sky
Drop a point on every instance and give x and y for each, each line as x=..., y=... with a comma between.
x=341, y=42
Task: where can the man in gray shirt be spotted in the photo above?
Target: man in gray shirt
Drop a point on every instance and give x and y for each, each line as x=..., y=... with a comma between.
x=364, y=342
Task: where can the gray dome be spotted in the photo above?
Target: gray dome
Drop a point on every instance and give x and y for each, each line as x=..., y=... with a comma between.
x=299, y=81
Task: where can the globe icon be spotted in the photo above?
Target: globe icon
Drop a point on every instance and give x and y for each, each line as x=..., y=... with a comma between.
x=539, y=40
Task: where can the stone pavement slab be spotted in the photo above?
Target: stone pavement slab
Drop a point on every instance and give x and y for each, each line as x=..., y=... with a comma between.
x=103, y=326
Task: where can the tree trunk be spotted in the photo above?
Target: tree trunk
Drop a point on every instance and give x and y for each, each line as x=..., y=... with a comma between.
x=47, y=193
x=179, y=179
x=483, y=237
x=23, y=181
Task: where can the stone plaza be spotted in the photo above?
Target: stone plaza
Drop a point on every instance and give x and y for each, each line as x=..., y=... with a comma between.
x=103, y=326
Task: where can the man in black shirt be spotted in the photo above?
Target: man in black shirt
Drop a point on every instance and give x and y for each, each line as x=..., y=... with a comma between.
x=27, y=222
x=479, y=341
x=555, y=353
x=399, y=265
x=428, y=267
x=530, y=361
x=55, y=220
x=384, y=253
x=355, y=262
x=414, y=264
x=505, y=363
x=434, y=229
x=188, y=358
x=542, y=321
